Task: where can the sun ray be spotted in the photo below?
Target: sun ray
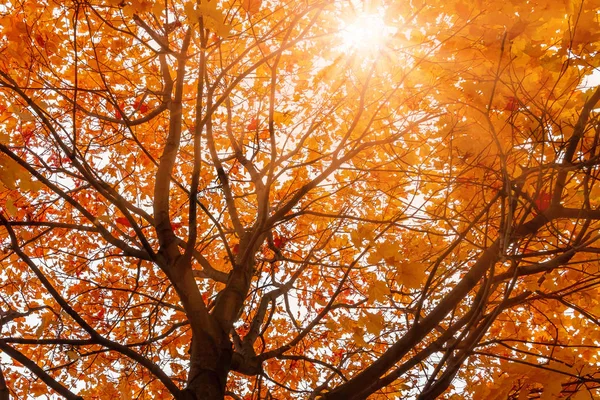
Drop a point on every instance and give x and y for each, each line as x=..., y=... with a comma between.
x=366, y=33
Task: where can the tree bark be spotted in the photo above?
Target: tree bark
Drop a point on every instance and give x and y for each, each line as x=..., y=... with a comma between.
x=4, y=392
x=210, y=363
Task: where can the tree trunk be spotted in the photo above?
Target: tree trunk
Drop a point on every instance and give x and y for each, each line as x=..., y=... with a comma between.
x=4, y=393
x=210, y=363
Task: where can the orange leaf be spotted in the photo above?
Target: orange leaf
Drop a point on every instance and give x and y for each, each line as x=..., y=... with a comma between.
x=253, y=125
x=251, y=6
x=264, y=134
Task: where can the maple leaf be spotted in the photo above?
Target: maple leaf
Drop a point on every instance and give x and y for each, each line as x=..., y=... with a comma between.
x=543, y=200
x=372, y=322
x=358, y=336
x=142, y=107
x=40, y=40
x=253, y=125
x=282, y=118
x=123, y=221
x=378, y=291
x=118, y=111
x=176, y=225
x=411, y=276
x=512, y=104
x=279, y=242
x=387, y=156
x=100, y=314
x=72, y=355
x=251, y=6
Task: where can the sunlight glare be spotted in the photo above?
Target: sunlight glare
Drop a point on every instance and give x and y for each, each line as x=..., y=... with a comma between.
x=366, y=33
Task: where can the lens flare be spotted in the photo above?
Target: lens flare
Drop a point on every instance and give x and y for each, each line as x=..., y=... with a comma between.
x=367, y=33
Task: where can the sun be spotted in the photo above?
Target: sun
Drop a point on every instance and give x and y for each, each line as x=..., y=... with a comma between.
x=365, y=33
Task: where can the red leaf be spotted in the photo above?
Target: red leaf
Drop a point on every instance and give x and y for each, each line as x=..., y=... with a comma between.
x=123, y=221
x=512, y=104
x=143, y=108
x=253, y=125
x=236, y=249
x=543, y=200
x=279, y=242
x=40, y=40
x=27, y=134
x=171, y=26
x=118, y=113
x=176, y=225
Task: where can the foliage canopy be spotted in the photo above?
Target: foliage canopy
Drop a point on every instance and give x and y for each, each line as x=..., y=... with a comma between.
x=255, y=200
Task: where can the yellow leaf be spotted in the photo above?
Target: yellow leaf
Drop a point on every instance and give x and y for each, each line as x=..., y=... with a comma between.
x=378, y=291
x=158, y=8
x=358, y=336
x=388, y=251
x=549, y=284
x=282, y=118
x=581, y=395
x=533, y=286
x=217, y=26
x=125, y=389
x=411, y=276
x=28, y=185
x=362, y=232
x=552, y=388
x=73, y=356
x=190, y=11
x=10, y=208
x=214, y=20
x=9, y=172
x=374, y=323
x=24, y=116
x=516, y=29
x=331, y=325
x=374, y=257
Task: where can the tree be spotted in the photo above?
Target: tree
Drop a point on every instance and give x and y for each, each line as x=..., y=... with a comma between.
x=255, y=200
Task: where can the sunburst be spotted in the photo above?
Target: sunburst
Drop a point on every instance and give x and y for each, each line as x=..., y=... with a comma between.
x=366, y=33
